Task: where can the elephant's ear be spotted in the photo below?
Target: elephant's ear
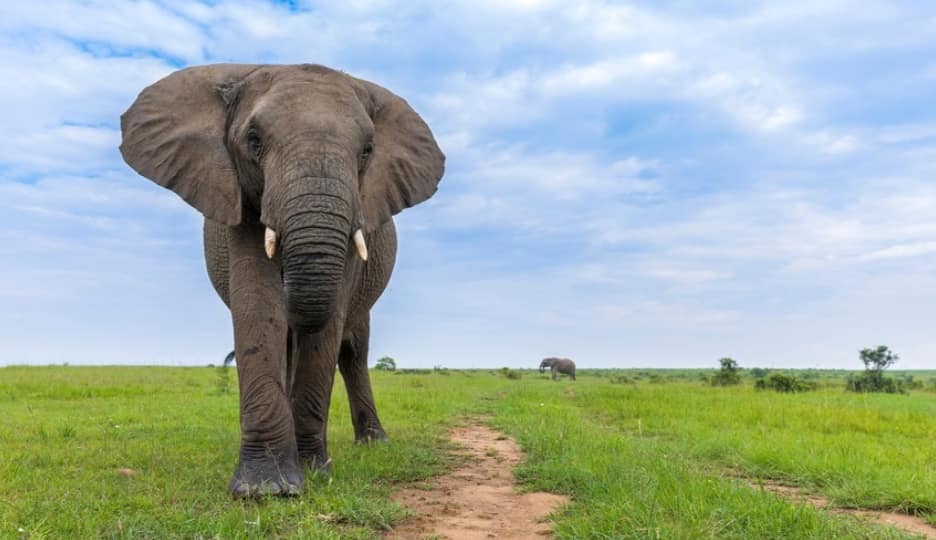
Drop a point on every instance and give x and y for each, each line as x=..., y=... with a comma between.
x=406, y=165
x=173, y=134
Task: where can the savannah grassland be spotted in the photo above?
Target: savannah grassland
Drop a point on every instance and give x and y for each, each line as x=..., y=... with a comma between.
x=661, y=456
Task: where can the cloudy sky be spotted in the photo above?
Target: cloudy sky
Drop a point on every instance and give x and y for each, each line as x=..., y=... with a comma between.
x=631, y=184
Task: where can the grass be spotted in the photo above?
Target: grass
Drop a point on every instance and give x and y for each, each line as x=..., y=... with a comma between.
x=641, y=460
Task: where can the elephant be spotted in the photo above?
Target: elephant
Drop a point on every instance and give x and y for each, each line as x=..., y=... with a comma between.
x=298, y=171
x=558, y=365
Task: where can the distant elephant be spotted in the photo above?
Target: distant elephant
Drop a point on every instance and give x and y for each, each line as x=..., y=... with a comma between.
x=558, y=365
x=298, y=170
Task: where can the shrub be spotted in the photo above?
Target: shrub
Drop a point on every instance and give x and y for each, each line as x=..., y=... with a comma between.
x=223, y=379
x=784, y=383
x=386, y=364
x=510, y=373
x=622, y=379
x=867, y=382
x=728, y=375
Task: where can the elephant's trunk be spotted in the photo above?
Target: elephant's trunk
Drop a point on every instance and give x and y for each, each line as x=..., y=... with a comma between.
x=317, y=227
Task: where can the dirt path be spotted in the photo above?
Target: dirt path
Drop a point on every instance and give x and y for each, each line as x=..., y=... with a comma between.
x=478, y=500
x=903, y=522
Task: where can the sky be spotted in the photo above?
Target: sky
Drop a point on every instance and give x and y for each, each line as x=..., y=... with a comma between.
x=629, y=184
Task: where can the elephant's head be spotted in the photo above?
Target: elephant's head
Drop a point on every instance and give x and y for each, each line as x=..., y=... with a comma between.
x=316, y=155
x=546, y=363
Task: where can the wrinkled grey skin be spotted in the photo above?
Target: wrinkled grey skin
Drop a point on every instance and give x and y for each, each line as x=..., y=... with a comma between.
x=558, y=365
x=314, y=154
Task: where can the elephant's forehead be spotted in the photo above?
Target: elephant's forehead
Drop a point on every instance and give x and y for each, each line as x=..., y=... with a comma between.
x=309, y=76
x=311, y=91
x=304, y=96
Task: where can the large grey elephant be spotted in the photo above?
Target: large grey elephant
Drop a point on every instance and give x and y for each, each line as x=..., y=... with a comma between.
x=558, y=365
x=298, y=171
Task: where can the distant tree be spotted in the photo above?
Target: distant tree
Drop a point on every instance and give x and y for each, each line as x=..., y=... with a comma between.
x=873, y=379
x=386, y=364
x=729, y=374
x=879, y=359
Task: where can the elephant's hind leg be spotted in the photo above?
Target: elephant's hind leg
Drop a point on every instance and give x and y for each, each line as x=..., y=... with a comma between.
x=352, y=361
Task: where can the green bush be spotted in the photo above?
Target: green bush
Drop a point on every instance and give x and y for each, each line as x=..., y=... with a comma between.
x=784, y=383
x=872, y=382
x=223, y=379
x=510, y=373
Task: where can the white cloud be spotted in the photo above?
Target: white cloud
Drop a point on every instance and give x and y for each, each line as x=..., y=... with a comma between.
x=687, y=276
x=108, y=25
x=62, y=148
x=900, y=251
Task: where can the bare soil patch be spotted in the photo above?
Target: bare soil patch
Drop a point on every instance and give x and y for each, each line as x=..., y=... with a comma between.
x=479, y=499
x=904, y=522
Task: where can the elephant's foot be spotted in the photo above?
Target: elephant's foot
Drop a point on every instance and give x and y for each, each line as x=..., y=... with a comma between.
x=314, y=455
x=367, y=428
x=266, y=472
x=370, y=434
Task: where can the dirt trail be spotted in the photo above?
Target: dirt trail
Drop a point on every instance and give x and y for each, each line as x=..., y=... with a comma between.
x=903, y=522
x=478, y=500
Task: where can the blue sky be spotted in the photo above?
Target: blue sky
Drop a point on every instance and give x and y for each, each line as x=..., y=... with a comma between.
x=630, y=184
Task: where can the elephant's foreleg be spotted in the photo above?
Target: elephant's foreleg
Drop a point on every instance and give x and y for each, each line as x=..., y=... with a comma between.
x=352, y=361
x=554, y=371
x=311, y=394
x=268, y=461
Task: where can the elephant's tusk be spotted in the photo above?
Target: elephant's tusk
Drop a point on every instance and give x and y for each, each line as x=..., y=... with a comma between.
x=269, y=242
x=360, y=245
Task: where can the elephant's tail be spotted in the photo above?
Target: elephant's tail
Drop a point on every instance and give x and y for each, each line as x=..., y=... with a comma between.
x=229, y=359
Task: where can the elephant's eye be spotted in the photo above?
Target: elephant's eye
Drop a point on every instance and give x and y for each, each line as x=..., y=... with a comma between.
x=254, y=145
x=366, y=153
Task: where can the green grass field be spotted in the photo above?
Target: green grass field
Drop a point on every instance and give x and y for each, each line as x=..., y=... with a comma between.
x=660, y=457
